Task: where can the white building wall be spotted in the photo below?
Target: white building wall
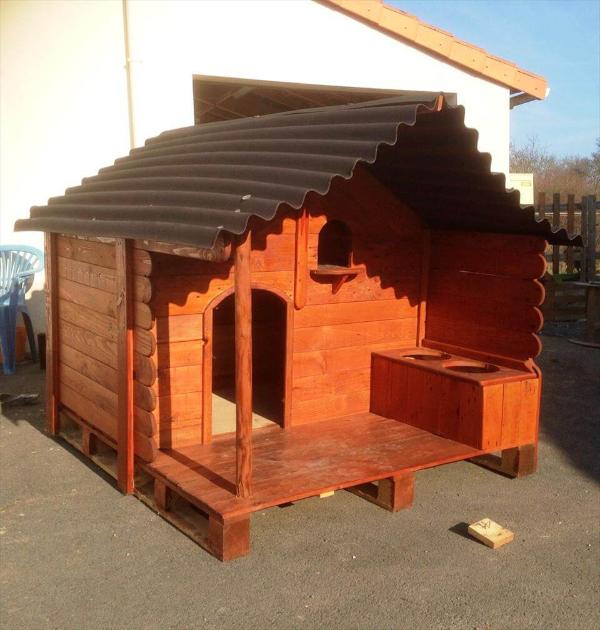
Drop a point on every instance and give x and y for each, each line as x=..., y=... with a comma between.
x=301, y=42
x=64, y=98
x=63, y=106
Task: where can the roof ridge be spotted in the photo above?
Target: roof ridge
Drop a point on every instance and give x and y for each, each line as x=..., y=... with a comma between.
x=444, y=44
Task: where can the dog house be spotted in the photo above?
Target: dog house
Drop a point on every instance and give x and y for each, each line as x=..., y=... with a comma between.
x=243, y=314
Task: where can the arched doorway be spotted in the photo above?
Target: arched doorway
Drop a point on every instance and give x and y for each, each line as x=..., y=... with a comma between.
x=269, y=316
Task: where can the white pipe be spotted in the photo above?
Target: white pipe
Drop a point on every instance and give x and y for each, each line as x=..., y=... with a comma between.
x=128, y=74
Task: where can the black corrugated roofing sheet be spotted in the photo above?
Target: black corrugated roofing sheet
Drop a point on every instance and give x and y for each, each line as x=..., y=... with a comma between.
x=187, y=185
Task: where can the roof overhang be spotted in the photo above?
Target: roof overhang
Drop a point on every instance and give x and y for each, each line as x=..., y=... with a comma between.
x=192, y=186
x=443, y=45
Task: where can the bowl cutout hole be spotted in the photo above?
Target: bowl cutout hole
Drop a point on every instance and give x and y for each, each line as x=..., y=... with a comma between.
x=471, y=367
x=432, y=356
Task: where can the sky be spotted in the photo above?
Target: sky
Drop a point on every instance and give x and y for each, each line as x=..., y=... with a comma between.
x=558, y=39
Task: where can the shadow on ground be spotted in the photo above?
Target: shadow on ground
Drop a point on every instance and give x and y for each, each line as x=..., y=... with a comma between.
x=570, y=416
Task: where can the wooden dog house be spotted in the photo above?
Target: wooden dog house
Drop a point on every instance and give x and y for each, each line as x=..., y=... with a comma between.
x=351, y=281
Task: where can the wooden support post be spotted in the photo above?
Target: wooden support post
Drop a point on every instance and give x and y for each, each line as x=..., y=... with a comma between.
x=519, y=461
x=541, y=206
x=570, y=229
x=52, y=342
x=88, y=442
x=229, y=539
x=555, y=226
x=589, y=203
x=162, y=495
x=243, y=366
x=125, y=326
x=393, y=494
x=301, y=267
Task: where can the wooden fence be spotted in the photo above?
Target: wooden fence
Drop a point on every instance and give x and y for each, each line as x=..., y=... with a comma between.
x=580, y=217
x=566, y=294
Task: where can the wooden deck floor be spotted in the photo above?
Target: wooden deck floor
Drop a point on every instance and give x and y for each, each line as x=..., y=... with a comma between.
x=303, y=461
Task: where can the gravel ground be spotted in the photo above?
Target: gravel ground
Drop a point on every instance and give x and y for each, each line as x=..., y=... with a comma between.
x=77, y=554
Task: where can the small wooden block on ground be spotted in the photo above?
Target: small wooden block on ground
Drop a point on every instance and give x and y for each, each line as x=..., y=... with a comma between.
x=490, y=533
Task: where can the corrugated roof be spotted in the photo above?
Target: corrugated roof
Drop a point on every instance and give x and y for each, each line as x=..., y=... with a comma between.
x=188, y=185
x=443, y=44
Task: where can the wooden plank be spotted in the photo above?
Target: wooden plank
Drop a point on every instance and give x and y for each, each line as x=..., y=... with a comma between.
x=73, y=399
x=52, y=334
x=301, y=266
x=320, y=386
x=528, y=424
x=102, y=397
x=511, y=413
x=356, y=334
x=393, y=494
x=487, y=312
x=490, y=533
x=125, y=314
x=486, y=339
x=470, y=414
x=145, y=422
x=175, y=407
x=322, y=409
x=207, y=376
x=103, y=254
x=493, y=399
x=243, y=366
x=181, y=353
x=591, y=231
x=179, y=328
x=424, y=285
x=495, y=254
x=381, y=386
x=103, y=422
x=82, y=317
x=220, y=252
x=88, y=343
x=96, y=253
x=180, y=380
x=570, y=230
x=144, y=369
x=555, y=226
x=90, y=367
x=142, y=314
x=364, y=288
x=273, y=251
x=353, y=312
x=229, y=539
x=336, y=361
x=191, y=294
x=94, y=299
x=497, y=288
x=101, y=278
x=541, y=206
x=144, y=342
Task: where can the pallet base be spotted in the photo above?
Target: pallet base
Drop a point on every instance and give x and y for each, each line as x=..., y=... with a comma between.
x=519, y=461
x=227, y=536
x=393, y=494
x=226, y=540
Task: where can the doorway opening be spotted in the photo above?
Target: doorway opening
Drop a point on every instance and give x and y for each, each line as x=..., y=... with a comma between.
x=268, y=362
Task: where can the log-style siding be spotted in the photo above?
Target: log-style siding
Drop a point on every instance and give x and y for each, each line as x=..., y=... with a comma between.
x=87, y=324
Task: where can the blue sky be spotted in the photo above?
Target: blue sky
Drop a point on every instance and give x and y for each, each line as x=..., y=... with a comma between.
x=558, y=39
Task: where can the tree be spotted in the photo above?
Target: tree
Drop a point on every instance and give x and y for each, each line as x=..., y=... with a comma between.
x=573, y=174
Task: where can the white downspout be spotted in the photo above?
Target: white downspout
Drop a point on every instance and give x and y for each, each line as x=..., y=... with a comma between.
x=131, y=118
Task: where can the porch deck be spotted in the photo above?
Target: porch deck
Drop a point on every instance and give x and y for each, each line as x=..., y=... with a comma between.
x=302, y=461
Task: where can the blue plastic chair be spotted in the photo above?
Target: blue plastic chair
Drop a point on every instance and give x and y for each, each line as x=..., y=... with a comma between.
x=18, y=265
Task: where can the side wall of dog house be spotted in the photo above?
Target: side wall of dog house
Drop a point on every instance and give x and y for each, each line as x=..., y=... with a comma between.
x=87, y=338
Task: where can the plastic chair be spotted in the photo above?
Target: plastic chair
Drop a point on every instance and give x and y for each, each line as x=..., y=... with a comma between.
x=18, y=265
